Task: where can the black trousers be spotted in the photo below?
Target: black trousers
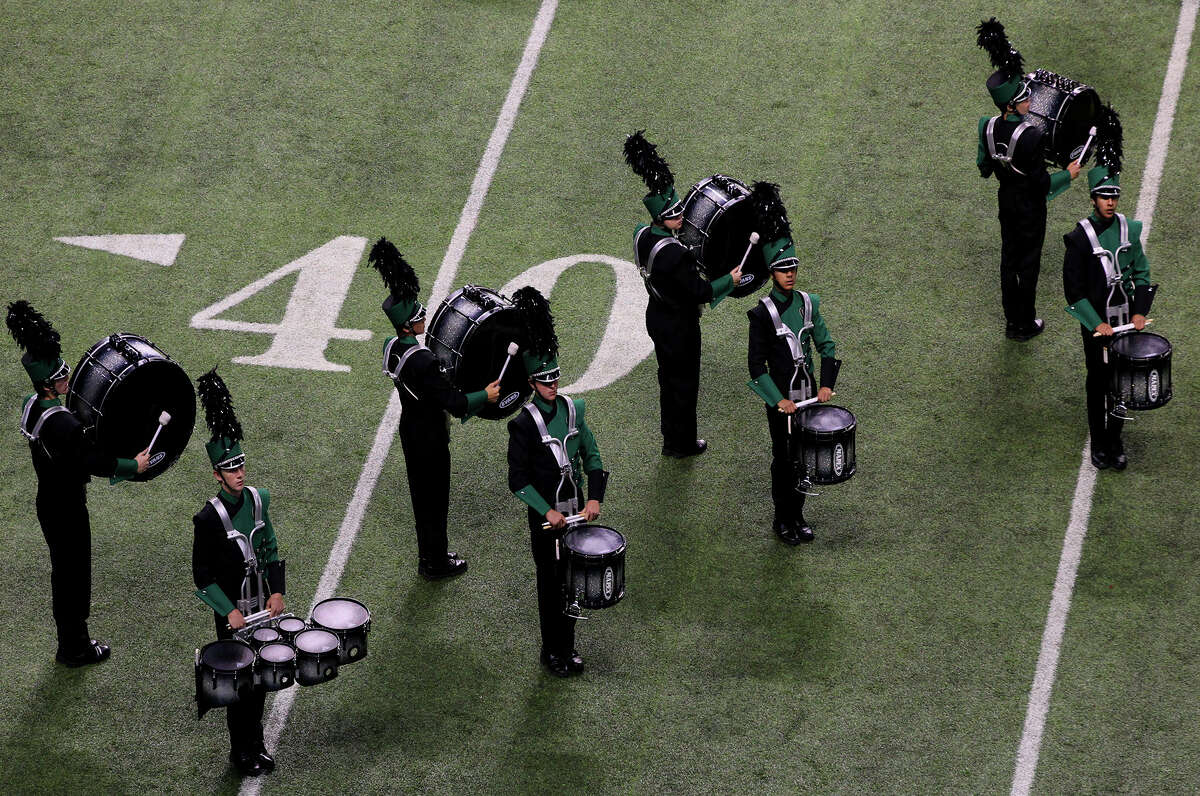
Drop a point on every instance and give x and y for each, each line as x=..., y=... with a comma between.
x=676, y=336
x=558, y=630
x=428, y=465
x=786, y=469
x=244, y=717
x=1022, y=233
x=63, y=515
x=1104, y=428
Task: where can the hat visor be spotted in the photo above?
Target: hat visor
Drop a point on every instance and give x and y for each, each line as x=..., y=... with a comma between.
x=418, y=314
x=63, y=371
x=1023, y=93
x=674, y=211
x=232, y=463
x=786, y=264
x=1106, y=190
x=547, y=376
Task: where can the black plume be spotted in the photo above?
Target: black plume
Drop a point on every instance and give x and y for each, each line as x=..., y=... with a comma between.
x=642, y=156
x=990, y=36
x=218, y=407
x=540, y=338
x=33, y=332
x=1109, y=150
x=397, y=274
x=769, y=212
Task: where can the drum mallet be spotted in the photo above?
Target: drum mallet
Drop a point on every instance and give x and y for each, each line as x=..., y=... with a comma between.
x=1088, y=143
x=163, y=419
x=753, y=240
x=513, y=348
x=571, y=520
x=1125, y=327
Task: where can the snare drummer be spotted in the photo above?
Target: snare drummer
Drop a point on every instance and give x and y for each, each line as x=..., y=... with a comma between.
x=1102, y=296
x=783, y=327
x=549, y=446
x=677, y=290
x=233, y=545
x=63, y=459
x=426, y=395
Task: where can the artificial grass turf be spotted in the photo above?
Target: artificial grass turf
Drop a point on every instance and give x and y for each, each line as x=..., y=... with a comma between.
x=892, y=655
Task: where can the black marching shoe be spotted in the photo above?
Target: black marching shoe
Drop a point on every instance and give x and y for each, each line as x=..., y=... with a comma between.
x=265, y=760
x=247, y=763
x=1116, y=456
x=95, y=652
x=804, y=531
x=558, y=666
x=1023, y=333
x=786, y=531
x=439, y=570
x=575, y=662
x=700, y=447
x=1100, y=460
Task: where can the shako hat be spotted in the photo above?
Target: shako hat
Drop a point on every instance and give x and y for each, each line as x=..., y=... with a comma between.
x=1007, y=84
x=42, y=359
x=772, y=223
x=401, y=306
x=224, y=449
x=642, y=156
x=1104, y=179
x=539, y=350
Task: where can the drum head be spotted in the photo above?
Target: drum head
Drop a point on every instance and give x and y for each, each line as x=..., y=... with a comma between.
x=340, y=613
x=263, y=635
x=1064, y=111
x=277, y=652
x=594, y=540
x=316, y=641
x=227, y=655
x=717, y=226
x=826, y=419
x=291, y=625
x=1141, y=345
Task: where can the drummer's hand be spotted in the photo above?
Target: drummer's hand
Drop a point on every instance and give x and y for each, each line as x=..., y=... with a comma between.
x=736, y=273
x=1139, y=322
x=824, y=394
x=275, y=604
x=786, y=406
x=143, y=460
x=236, y=620
x=493, y=391
x=1104, y=330
x=1074, y=168
x=556, y=519
x=591, y=510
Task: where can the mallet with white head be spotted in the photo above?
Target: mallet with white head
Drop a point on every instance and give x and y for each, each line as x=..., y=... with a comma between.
x=163, y=419
x=513, y=348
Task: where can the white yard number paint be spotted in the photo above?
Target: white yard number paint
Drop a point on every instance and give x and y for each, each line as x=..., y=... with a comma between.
x=309, y=322
x=625, y=342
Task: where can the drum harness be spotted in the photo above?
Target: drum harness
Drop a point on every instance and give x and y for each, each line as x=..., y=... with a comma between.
x=558, y=448
x=1009, y=149
x=248, y=604
x=395, y=374
x=33, y=436
x=648, y=268
x=799, y=357
x=1117, y=312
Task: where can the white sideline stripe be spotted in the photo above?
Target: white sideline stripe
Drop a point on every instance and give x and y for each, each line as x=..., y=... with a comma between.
x=386, y=432
x=1081, y=506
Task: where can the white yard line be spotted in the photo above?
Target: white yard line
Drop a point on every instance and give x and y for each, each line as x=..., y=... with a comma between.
x=386, y=432
x=1081, y=506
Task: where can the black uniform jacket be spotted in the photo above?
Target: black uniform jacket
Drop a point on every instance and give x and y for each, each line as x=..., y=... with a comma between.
x=530, y=462
x=73, y=458
x=1084, y=277
x=676, y=277
x=218, y=559
x=431, y=393
x=766, y=346
x=1034, y=186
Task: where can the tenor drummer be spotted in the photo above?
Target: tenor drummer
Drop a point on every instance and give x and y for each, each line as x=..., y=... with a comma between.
x=63, y=459
x=1106, y=279
x=426, y=395
x=677, y=290
x=235, y=562
x=1012, y=150
x=784, y=326
x=550, y=448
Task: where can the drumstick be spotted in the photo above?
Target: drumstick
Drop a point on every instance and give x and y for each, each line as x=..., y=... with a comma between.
x=809, y=401
x=163, y=419
x=571, y=520
x=513, y=348
x=1125, y=327
x=1088, y=143
x=753, y=240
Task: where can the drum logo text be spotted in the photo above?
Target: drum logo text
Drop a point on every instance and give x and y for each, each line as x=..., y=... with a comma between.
x=745, y=280
x=158, y=457
x=608, y=583
x=1152, y=387
x=839, y=459
x=509, y=400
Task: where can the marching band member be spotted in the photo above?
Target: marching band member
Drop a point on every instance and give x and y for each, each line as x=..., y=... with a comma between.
x=1012, y=150
x=63, y=459
x=425, y=397
x=232, y=533
x=1106, y=279
x=677, y=290
x=783, y=327
x=549, y=447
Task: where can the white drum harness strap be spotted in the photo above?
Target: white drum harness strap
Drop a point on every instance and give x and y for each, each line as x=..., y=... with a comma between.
x=558, y=448
x=33, y=435
x=395, y=374
x=1010, y=148
x=799, y=357
x=648, y=268
x=1117, y=312
x=248, y=604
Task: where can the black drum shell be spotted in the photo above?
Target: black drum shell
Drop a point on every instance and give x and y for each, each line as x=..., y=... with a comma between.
x=353, y=639
x=1063, y=115
x=118, y=391
x=717, y=222
x=224, y=673
x=470, y=333
x=594, y=579
x=315, y=666
x=1140, y=364
x=288, y=632
x=824, y=431
x=275, y=675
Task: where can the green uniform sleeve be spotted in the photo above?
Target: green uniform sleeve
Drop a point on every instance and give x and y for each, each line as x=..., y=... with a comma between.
x=475, y=402
x=214, y=598
x=530, y=497
x=1085, y=313
x=266, y=546
x=126, y=469
x=1140, y=266
x=588, y=448
x=721, y=288
x=1059, y=182
x=764, y=387
x=820, y=333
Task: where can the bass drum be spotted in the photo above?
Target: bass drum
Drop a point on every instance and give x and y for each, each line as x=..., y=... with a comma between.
x=827, y=443
x=118, y=391
x=595, y=570
x=717, y=222
x=1141, y=370
x=1064, y=110
x=470, y=334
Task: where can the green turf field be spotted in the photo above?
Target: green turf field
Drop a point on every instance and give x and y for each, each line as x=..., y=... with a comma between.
x=893, y=655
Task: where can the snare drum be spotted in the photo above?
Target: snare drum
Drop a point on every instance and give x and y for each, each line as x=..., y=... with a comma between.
x=717, y=222
x=595, y=566
x=275, y=666
x=316, y=656
x=288, y=627
x=347, y=619
x=224, y=673
x=1141, y=370
x=827, y=443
